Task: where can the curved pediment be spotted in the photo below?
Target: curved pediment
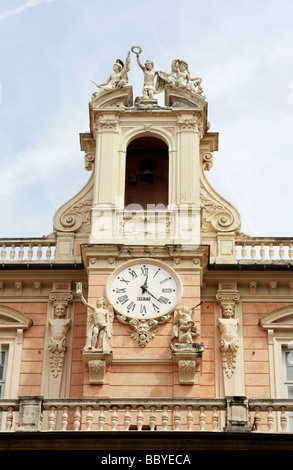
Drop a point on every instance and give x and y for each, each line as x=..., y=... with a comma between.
x=282, y=318
x=115, y=98
x=9, y=317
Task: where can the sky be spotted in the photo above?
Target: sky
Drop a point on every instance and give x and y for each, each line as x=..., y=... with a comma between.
x=51, y=49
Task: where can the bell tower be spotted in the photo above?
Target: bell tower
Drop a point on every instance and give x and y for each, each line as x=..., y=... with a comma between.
x=145, y=226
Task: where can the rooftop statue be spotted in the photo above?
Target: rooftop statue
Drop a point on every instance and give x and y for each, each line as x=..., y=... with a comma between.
x=154, y=81
x=118, y=78
x=181, y=76
x=150, y=86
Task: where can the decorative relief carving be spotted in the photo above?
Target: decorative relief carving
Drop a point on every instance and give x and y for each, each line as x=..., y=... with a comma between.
x=142, y=330
x=186, y=353
x=207, y=161
x=89, y=161
x=229, y=325
x=184, y=327
x=58, y=341
x=187, y=123
x=60, y=297
x=217, y=214
x=75, y=215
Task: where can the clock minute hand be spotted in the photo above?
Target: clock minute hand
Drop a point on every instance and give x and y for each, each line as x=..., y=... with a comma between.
x=152, y=295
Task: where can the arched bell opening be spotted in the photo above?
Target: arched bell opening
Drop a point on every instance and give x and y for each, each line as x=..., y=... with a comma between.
x=147, y=174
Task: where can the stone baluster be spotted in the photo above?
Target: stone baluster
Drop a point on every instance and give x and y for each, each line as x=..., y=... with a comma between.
x=30, y=252
x=252, y=251
x=12, y=252
x=114, y=418
x=290, y=251
x=270, y=419
x=127, y=418
x=165, y=418
x=189, y=418
x=48, y=252
x=89, y=418
x=153, y=418
x=139, y=419
x=39, y=251
x=283, y=419
x=215, y=418
x=21, y=252
x=281, y=251
x=243, y=251
x=64, y=418
x=262, y=251
x=271, y=252
x=77, y=418
x=3, y=251
x=202, y=418
x=257, y=419
x=101, y=418
x=52, y=418
x=177, y=418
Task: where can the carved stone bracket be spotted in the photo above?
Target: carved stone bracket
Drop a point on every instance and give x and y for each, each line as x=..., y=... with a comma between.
x=97, y=362
x=143, y=330
x=187, y=356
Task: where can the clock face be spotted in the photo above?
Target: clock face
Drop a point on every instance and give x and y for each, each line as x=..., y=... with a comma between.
x=143, y=289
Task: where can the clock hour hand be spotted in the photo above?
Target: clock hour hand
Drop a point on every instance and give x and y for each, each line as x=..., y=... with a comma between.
x=144, y=286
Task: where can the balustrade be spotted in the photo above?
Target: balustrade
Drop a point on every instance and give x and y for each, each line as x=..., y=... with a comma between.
x=27, y=250
x=264, y=250
x=149, y=414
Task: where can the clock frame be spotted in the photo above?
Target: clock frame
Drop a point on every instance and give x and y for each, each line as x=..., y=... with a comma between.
x=144, y=288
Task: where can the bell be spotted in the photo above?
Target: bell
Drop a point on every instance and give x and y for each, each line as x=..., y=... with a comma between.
x=147, y=166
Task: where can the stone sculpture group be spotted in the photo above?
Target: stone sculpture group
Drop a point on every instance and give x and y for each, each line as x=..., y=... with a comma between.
x=154, y=81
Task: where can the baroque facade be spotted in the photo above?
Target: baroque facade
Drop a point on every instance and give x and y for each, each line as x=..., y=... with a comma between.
x=147, y=308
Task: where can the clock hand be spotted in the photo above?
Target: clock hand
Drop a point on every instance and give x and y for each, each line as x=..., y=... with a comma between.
x=152, y=295
x=144, y=286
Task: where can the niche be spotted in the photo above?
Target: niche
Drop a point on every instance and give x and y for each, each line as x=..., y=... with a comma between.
x=147, y=174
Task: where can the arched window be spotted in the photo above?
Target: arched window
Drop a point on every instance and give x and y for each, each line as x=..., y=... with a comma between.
x=147, y=170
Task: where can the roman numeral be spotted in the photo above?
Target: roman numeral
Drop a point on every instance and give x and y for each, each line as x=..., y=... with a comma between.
x=131, y=306
x=165, y=280
x=144, y=271
x=156, y=273
x=123, y=280
x=121, y=291
x=163, y=299
x=133, y=273
x=156, y=309
x=143, y=309
x=167, y=291
x=123, y=299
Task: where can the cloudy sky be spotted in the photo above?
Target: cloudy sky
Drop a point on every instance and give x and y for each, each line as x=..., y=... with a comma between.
x=51, y=49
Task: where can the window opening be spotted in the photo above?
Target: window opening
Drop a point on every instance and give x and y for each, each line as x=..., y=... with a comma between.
x=147, y=174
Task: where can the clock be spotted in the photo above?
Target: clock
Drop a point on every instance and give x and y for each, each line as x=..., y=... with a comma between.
x=143, y=288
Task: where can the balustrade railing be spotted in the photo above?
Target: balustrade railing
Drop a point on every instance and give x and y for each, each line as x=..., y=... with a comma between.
x=32, y=250
x=264, y=415
x=264, y=250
